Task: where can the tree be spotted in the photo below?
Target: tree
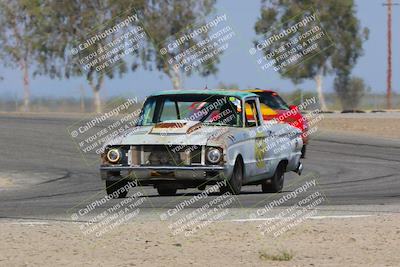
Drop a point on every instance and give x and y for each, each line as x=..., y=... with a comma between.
x=335, y=17
x=17, y=40
x=67, y=50
x=166, y=21
x=350, y=90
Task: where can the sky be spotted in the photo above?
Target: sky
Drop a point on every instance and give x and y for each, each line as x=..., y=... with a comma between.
x=236, y=65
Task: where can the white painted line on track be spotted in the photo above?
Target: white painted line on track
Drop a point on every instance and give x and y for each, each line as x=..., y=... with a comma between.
x=313, y=218
x=340, y=216
x=30, y=223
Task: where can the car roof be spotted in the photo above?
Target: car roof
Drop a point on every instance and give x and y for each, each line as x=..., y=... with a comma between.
x=230, y=92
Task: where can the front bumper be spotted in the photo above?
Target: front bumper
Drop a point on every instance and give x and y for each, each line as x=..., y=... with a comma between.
x=160, y=173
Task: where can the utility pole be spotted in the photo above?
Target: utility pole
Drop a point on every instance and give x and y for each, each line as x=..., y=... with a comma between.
x=389, y=5
x=389, y=56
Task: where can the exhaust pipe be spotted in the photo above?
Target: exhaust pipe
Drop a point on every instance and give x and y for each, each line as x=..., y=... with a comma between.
x=299, y=168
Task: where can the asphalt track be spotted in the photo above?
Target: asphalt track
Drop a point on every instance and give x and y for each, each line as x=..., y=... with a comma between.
x=50, y=180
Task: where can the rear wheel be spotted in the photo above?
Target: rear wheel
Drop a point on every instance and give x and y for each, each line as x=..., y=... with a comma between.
x=165, y=190
x=115, y=189
x=303, y=152
x=275, y=184
x=234, y=185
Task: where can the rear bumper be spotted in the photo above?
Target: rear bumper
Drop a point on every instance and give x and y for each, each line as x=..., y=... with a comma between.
x=163, y=173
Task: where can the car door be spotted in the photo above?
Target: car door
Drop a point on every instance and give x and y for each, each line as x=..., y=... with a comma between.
x=255, y=146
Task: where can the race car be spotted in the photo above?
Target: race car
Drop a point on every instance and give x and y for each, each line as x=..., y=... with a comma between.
x=274, y=107
x=194, y=138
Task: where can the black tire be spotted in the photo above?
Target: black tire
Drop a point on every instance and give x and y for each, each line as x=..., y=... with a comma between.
x=303, y=151
x=202, y=187
x=164, y=190
x=275, y=183
x=112, y=189
x=234, y=185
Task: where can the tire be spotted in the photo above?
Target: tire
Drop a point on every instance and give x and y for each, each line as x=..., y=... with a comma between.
x=275, y=184
x=202, y=187
x=234, y=185
x=164, y=190
x=303, y=152
x=112, y=189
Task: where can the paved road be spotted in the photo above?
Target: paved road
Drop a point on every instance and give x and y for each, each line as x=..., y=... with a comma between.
x=50, y=179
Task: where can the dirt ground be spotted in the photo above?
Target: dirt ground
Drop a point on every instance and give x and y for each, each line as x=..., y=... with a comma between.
x=366, y=241
x=386, y=127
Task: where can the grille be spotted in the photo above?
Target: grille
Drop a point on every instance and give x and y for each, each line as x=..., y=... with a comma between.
x=165, y=155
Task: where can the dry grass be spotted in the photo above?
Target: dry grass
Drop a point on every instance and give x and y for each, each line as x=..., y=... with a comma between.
x=280, y=256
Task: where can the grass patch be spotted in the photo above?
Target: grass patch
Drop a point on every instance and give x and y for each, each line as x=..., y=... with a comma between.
x=280, y=256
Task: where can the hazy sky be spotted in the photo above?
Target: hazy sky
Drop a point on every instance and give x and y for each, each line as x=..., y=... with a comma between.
x=236, y=66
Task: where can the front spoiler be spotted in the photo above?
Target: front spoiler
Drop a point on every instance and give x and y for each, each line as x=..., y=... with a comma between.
x=166, y=173
x=162, y=168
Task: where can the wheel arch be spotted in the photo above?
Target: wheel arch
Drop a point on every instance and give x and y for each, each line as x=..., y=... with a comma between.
x=240, y=157
x=284, y=163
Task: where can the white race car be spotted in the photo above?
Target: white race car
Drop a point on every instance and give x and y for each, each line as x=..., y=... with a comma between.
x=188, y=139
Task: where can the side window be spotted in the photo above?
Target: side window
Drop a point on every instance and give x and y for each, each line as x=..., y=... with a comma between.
x=252, y=118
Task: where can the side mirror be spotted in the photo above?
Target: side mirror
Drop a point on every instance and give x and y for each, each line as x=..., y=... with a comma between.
x=293, y=107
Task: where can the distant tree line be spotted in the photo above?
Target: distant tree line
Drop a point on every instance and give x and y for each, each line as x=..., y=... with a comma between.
x=37, y=37
x=338, y=52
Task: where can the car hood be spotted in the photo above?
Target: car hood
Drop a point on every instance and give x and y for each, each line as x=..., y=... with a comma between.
x=171, y=133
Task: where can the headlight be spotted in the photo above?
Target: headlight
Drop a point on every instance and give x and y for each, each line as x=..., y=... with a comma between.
x=113, y=155
x=214, y=155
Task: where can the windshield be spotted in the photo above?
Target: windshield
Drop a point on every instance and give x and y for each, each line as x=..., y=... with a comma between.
x=273, y=100
x=209, y=109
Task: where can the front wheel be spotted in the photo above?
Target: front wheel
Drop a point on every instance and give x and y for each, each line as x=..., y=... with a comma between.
x=275, y=184
x=234, y=185
x=116, y=189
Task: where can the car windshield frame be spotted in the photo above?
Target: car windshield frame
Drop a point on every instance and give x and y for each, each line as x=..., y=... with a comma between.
x=154, y=106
